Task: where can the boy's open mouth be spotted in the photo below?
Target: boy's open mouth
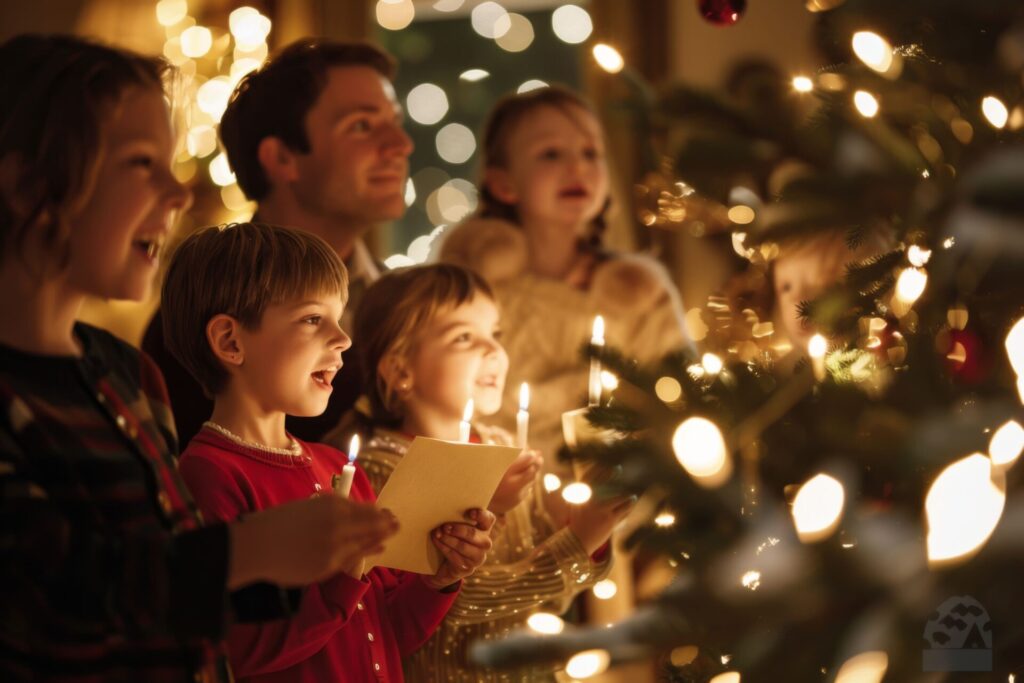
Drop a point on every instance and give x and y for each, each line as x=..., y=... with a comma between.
x=150, y=247
x=574, y=192
x=326, y=376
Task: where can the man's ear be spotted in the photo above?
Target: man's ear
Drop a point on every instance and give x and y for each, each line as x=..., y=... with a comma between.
x=222, y=336
x=499, y=183
x=278, y=160
x=396, y=373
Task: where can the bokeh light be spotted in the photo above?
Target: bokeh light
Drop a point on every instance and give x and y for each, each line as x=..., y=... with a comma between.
x=571, y=24
x=426, y=104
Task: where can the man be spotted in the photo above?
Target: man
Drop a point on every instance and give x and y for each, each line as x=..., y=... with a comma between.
x=315, y=138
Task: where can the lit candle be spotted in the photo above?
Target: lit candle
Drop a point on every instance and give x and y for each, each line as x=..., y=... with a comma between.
x=596, y=339
x=816, y=349
x=342, y=483
x=523, y=416
x=467, y=417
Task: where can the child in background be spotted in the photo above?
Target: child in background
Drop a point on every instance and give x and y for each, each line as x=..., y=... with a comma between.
x=253, y=312
x=106, y=573
x=430, y=337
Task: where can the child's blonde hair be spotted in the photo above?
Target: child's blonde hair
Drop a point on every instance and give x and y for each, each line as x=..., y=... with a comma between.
x=239, y=270
x=55, y=93
x=507, y=114
x=392, y=313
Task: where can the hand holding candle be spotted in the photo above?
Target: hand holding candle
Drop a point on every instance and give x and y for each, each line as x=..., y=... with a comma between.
x=523, y=416
x=342, y=483
x=596, y=340
x=464, y=426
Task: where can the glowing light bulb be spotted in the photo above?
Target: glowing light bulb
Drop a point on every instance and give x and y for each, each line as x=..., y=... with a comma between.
x=817, y=346
x=220, y=171
x=665, y=519
x=711, y=363
x=818, y=507
x=1006, y=445
x=918, y=256
x=609, y=382
x=196, y=41
x=1015, y=346
x=577, y=493
x=668, y=389
x=700, y=449
x=552, y=482
x=910, y=285
x=963, y=507
x=866, y=103
x=571, y=24
x=394, y=16
x=727, y=677
x=873, y=50
x=803, y=84
x=532, y=84
x=588, y=663
x=993, y=108
x=249, y=27
x=608, y=58
x=474, y=75
x=741, y=215
x=867, y=667
x=605, y=590
x=548, y=624
x=170, y=12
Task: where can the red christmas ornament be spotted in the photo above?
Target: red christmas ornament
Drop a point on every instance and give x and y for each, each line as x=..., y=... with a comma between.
x=722, y=12
x=966, y=357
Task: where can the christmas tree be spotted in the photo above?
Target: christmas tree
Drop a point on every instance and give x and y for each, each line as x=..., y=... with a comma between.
x=858, y=516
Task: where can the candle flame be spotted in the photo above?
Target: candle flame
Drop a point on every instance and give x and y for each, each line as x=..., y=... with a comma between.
x=597, y=335
x=817, y=346
x=353, y=448
x=524, y=397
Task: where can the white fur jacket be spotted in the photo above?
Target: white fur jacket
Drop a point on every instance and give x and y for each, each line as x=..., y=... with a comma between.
x=545, y=322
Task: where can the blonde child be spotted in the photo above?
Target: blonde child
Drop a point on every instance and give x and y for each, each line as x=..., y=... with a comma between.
x=430, y=336
x=253, y=312
x=107, y=573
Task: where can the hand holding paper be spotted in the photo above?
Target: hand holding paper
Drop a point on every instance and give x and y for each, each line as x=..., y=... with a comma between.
x=463, y=546
x=435, y=483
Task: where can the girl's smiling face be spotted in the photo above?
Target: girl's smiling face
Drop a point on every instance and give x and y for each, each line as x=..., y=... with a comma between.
x=125, y=218
x=458, y=357
x=556, y=172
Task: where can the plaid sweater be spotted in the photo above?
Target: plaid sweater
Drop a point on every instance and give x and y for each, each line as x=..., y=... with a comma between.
x=105, y=573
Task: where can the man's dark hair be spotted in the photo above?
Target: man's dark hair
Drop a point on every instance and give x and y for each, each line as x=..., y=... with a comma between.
x=274, y=101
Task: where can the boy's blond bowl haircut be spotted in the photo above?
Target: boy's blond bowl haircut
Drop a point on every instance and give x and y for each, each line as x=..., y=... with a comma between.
x=239, y=270
x=394, y=310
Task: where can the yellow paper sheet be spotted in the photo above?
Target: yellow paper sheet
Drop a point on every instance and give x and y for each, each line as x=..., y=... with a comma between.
x=436, y=482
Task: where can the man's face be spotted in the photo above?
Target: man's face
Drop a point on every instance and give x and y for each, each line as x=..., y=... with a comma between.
x=356, y=169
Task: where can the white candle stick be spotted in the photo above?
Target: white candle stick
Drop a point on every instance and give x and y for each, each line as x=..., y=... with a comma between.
x=464, y=426
x=596, y=339
x=816, y=349
x=342, y=483
x=523, y=416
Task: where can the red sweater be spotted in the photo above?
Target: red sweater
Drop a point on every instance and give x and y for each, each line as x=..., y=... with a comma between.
x=345, y=630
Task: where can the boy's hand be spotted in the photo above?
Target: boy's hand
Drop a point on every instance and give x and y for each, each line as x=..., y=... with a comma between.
x=463, y=546
x=515, y=484
x=305, y=541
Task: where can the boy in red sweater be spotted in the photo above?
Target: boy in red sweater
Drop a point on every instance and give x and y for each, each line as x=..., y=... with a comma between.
x=253, y=312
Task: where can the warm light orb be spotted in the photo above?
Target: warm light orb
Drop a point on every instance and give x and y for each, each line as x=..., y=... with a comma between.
x=817, y=346
x=910, y=285
x=918, y=256
x=802, y=84
x=410, y=192
x=873, y=50
x=201, y=141
x=867, y=667
x=571, y=24
x=818, y=507
x=711, y=363
x=518, y=36
x=1006, y=445
x=249, y=28
x=170, y=12
x=609, y=382
x=741, y=215
x=605, y=590
x=727, y=677
x=548, y=624
x=665, y=519
x=426, y=104
x=700, y=449
x=394, y=16
x=455, y=143
x=552, y=482
x=608, y=58
x=668, y=389
x=588, y=663
x=532, y=84
x=212, y=97
x=196, y=41
x=490, y=20
x=963, y=507
x=866, y=103
x=994, y=110
x=577, y=493
x=1015, y=346
x=220, y=170
x=473, y=75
